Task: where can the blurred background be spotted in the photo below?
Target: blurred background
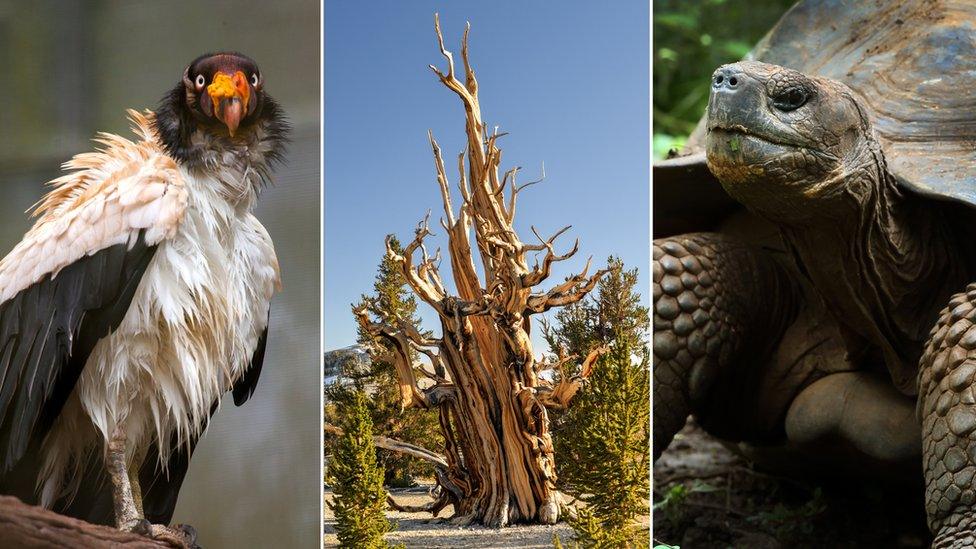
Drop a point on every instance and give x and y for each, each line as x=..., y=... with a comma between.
x=691, y=39
x=71, y=68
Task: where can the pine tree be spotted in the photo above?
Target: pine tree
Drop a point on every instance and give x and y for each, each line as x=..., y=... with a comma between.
x=392, y=297
x=603, y=440
x=357, y=481
x=590, y=533
x=611, y=443
x=614, y=315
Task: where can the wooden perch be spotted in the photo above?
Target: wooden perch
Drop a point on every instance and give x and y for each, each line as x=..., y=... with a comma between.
x=23, y=525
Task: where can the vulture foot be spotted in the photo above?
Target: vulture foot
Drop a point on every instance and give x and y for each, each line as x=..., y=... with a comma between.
x=181, y=536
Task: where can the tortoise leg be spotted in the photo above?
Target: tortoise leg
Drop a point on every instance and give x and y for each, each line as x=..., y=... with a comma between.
x=947, y=409
x=718, y=303
x=856, y=418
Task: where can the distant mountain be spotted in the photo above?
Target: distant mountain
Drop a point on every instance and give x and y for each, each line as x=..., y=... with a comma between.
x=341, y=365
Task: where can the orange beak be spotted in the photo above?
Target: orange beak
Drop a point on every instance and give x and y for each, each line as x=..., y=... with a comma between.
x=230, y=94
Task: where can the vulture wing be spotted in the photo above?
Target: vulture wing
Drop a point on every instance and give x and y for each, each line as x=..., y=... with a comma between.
x=70, y=281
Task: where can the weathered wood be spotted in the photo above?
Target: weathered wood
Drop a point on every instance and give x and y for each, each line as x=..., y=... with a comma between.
x=394, y=445
x=489, y=395
x=27, y=526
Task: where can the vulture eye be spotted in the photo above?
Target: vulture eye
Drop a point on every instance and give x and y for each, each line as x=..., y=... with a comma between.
x=254, y=79
x=791, y=98
x=200, y=81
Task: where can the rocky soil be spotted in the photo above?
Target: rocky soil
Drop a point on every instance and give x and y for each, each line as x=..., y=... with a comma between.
x=706, y=496
x=420, y=530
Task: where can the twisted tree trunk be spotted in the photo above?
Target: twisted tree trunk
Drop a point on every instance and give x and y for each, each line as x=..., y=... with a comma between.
x=485, y=382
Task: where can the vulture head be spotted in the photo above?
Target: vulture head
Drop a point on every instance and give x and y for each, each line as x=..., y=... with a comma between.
x=221, y=98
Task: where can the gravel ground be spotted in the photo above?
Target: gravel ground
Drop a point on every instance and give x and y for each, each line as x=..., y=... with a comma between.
x=419, y=530
x=726, y=503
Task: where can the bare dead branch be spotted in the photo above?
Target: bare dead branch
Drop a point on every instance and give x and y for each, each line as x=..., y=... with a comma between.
x=447, y=55
x=463, y=183
x=399, y=344
x=470, y=80
x=403, y=508
x=560, y=395
x=413, y=450
x=398, y=446
x=429, y=289
x=541, y=273
x=513, y=196
x=544, y=244
x=442, y=178
x=510, y=175
x=575, y=288
x=542, y=178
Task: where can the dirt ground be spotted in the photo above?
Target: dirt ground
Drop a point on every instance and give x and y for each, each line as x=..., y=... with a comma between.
x=419, y=530
x=707, y=496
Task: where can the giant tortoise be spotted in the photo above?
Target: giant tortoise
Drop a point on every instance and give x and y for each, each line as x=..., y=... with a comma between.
x=833, y=318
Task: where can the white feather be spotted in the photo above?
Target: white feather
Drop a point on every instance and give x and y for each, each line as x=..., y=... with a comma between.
x=190, y=331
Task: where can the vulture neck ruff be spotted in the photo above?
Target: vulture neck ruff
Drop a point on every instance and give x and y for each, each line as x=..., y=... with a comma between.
x=204, y=146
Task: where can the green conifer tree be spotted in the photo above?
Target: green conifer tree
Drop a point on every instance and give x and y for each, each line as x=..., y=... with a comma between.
x=614, y=315
x=357, y=481
x=603, y=439
x=392, y=296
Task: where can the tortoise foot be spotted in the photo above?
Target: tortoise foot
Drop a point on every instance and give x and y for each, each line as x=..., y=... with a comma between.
x=958, y=531
x=857, y=414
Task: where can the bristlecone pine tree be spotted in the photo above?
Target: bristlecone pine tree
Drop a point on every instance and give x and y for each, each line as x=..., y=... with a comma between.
x=485, y=381
x=603, y=441
x=417, y=426
x=357, y=482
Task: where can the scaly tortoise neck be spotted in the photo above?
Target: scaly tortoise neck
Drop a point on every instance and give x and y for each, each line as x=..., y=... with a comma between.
x=883, y=261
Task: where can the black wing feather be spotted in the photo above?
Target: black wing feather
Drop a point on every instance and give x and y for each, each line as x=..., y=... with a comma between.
x=245, y=386
x=160, y=488
x=47, y=332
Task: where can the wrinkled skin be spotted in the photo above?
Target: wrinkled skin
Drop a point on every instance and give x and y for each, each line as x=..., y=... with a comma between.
x=875, y=266
x=782, y=143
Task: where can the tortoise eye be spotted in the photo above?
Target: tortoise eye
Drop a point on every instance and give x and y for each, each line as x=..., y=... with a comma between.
x=791, y=98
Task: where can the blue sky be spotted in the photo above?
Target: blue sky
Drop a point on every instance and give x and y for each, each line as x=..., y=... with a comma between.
x=568, y=81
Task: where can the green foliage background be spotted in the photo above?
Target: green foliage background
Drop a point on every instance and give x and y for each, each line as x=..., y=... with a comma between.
x=691, y=39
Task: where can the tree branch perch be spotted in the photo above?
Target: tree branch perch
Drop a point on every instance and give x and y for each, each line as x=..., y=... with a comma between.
x=23, y=525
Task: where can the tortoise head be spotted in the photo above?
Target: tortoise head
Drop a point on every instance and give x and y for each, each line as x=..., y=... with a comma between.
x=782, y=142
